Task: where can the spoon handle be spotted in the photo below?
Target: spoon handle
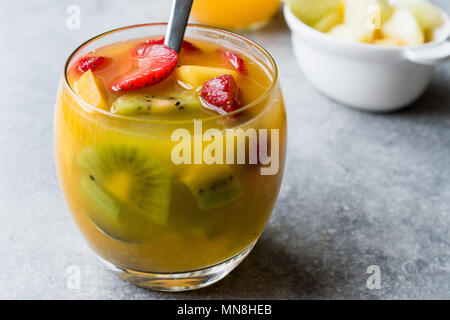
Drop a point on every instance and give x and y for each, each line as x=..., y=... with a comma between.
x=179, y=16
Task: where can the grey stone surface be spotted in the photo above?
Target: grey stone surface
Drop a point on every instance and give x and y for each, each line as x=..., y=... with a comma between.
x=361, y=189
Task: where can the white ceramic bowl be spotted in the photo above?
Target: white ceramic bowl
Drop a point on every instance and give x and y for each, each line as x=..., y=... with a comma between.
x=366, y=76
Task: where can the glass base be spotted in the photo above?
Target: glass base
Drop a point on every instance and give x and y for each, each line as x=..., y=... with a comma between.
x=175, y=282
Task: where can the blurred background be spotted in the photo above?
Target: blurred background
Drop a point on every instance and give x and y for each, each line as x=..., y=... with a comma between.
x=360, y=189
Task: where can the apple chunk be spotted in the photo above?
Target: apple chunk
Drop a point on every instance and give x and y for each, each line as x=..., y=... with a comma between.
x=353, y=33
x=427, y=14
x=329, y=21
x=310, y=11
x=403, y=25
x=359, y=11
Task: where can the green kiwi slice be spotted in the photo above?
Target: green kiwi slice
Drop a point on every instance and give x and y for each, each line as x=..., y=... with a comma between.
x=142, y=104
x=213, y=186
x=130, y=191
x=104, y=201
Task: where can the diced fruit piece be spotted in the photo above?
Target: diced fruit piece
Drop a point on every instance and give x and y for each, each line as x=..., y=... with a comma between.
x=428, y=15
x=154, y=64
x=353, y=33
x=79, y=122
x=221, y=92
x=358, y=12
x=141, y=47
x=310, y=11
x=236, y=61
x=132, y=179
x=91, y=63
x=212, y=186
x=195, y=76
x=329, y=21
x=138, y=104
x=404, y=26
x=91, y=90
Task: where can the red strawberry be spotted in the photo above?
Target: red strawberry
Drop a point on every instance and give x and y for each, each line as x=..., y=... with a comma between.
x=188, y=46
x=154, y=64
x=86, y=63
x=222, y=92
x=236, y=61
x=155, y=41
x=141, y=47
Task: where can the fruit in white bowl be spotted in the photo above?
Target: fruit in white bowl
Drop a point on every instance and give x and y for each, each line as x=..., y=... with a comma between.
x=311, y=11
x=357, y=12
x=364, y=76
x=353, y=33
x=379, y=22
x=427, y=14
x=328, y=21
x=403, y=25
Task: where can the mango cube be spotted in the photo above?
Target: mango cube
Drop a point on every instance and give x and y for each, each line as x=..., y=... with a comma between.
x=91, y=90
x=195, y=76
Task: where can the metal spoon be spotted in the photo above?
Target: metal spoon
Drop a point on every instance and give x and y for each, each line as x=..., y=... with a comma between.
x=179, y=16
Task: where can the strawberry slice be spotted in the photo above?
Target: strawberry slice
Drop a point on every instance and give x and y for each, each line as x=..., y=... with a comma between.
x=222, y=92
x=155, y=41
x=189, y=46
x=236, y=61
x=154, y=64
x=141, y=47
x=91, y=63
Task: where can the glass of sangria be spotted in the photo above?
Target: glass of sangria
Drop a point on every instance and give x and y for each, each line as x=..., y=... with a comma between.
x=170, y=163
x=235, y=14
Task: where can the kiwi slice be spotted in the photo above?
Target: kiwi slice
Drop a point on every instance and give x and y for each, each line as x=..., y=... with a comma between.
x=213, y=186
x=142, y=104
x=104, y=201
x=129, y=189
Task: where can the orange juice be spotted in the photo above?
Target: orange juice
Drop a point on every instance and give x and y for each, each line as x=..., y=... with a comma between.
x=141, y=211
x=234, y=14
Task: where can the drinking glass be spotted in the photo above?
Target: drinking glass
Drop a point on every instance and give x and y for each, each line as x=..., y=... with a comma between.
x=195, y=246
